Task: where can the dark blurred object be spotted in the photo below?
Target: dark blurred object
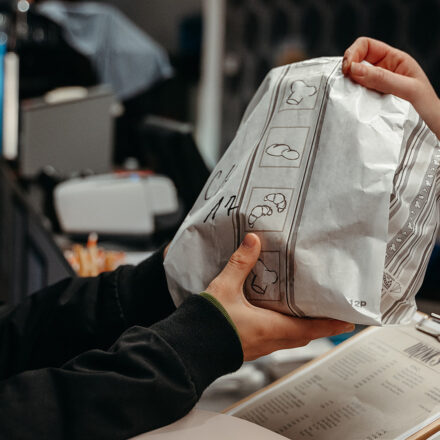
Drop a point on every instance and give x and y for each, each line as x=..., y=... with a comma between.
x=29, y=257
x=431, y=285
x=190, y=48
x=290, y=52
x=46, y=60
x=170, y=98
x=257, y=29
x=167, y=98
x=168, y=148
x=46, y=183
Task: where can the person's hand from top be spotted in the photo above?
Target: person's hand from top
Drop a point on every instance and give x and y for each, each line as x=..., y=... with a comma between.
x=393, y=71
x=263, y=331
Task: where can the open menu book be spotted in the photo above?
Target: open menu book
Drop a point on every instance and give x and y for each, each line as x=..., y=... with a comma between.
x=381, y=384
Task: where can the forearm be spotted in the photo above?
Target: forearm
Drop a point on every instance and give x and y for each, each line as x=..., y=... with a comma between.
x=80, y=314
x=430, y=113
x=147, y=379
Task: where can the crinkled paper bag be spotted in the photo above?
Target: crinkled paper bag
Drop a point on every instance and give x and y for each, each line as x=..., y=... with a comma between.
x=340, y=183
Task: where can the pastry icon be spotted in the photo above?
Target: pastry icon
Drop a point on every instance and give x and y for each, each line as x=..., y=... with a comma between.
x=262, y=277
x=278, y=199
x=282, y=150
x=258, y=212
x=298, y=91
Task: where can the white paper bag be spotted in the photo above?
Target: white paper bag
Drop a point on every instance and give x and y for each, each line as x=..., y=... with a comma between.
x=342, y=186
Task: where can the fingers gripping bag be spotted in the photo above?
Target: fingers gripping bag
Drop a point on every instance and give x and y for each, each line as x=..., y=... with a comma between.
x=340, y=183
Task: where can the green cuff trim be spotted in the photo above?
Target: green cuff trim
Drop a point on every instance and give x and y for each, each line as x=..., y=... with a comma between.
x=219, y=306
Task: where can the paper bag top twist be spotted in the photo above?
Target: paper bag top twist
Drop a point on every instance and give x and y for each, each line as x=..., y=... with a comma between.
x=341, y=184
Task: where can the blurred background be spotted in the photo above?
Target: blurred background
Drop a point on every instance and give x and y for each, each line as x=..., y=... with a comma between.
x=114, y=112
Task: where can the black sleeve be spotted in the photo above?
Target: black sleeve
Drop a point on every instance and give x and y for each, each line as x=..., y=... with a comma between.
x=80, y=314
x=148, y=378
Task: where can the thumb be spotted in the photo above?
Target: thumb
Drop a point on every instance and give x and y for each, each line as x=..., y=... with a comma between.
x=242, y=261
x=382, y=80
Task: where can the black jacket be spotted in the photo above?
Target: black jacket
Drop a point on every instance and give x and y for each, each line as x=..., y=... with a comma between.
x=100, y=357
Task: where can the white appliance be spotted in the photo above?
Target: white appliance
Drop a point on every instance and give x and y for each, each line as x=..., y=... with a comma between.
x=115, y=204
